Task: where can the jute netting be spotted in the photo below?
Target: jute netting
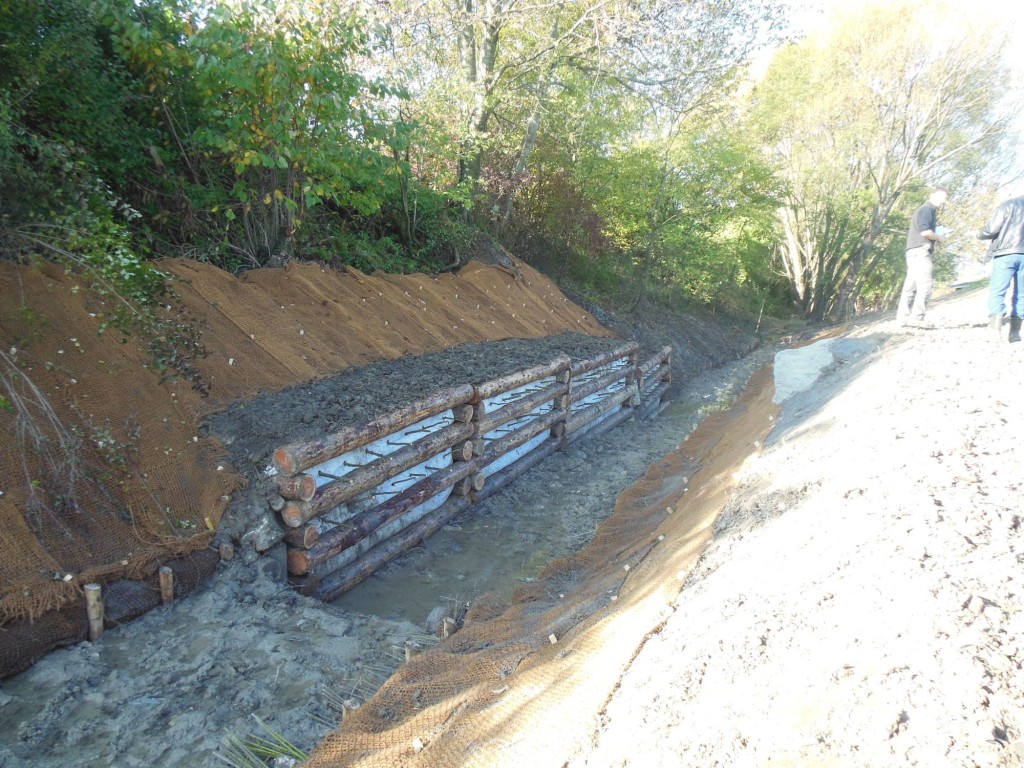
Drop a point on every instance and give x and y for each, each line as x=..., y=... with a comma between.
x=520, y=684
x=101, y=472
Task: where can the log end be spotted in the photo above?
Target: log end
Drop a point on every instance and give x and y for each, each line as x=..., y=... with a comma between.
x=292, y=515
x=284, y=462
x=298, y=562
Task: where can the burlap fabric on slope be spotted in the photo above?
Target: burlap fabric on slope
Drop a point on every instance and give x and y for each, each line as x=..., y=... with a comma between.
x=523, y=684
x=114, y=480
x=272, y=328
x=143, y=487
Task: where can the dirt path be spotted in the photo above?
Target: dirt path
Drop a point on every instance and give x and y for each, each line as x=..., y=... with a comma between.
x=861, y=601
x=166, y=690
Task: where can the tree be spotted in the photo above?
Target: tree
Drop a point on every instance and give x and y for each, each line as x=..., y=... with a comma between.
x=860, y=122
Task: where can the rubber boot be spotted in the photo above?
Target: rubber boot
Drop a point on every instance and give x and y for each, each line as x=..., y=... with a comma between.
x=1014, y=328
x=995, y=324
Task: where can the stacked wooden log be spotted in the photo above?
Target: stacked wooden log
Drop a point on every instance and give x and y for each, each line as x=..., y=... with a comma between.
x=654, y=376
x=361, y=497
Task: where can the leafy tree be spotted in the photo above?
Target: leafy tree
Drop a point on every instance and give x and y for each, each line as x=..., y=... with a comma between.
x=860, y=121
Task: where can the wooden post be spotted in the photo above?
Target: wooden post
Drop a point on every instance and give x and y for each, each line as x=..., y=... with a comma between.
x=294, y=458
x=166, y=585
x=94, y=610
x=227, y=551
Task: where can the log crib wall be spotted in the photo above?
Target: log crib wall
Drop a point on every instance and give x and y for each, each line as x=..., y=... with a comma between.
x=355, y=500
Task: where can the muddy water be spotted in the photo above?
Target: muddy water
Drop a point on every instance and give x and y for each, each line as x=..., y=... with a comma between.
x=552, y=511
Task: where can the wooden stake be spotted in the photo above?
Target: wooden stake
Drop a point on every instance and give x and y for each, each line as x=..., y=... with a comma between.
x=94, y=609
x=166, y=585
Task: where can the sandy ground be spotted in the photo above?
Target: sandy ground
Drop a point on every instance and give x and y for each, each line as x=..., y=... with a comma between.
x=858, y=605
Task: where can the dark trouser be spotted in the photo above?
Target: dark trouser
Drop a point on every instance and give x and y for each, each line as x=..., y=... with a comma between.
x=917, y=288
x=1004, y=270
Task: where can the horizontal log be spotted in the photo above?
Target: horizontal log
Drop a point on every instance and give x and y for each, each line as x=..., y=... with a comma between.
x=302, y=538
x=653, y=381
x=653, y=362
x=520, y=378
x=373, y=474
x=581, y=390
x=524, y=434
x=296, y=457
x=581, y=418
x=341, y=537
x=522, y=406
x=608, y=424
x=507, y=475
x=583, y=366
x=330, y=586
x=650, y=402
x=301, y=487
x=277, y=502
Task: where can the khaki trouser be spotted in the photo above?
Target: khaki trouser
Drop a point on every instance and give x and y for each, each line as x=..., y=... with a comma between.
x=917, y=288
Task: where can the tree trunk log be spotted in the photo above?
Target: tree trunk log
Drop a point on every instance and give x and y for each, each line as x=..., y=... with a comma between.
x=520, y=378
x=610, y=423
x=577, y=421
x=581, y=390
x=649, y=365
x=524, y=434
x=302, y=538
x=507, y=475
x=491, y=421
x=583, y=366
x=340, y=538
x=338, y=582
x=364, y=478
x=294, y=458
x=298, y=487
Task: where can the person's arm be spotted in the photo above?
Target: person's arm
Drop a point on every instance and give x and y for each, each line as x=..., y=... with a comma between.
x=994, y=226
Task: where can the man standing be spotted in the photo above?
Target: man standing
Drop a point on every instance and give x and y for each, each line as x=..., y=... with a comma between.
x=921, y=240
x=1005, y=228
